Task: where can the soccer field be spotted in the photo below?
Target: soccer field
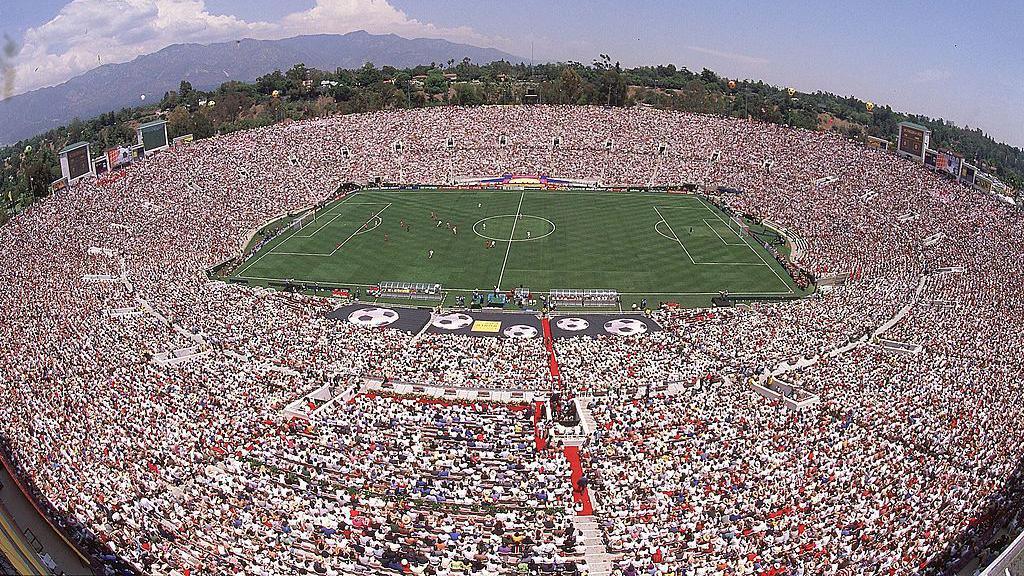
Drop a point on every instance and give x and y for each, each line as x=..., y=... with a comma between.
x=661, y=246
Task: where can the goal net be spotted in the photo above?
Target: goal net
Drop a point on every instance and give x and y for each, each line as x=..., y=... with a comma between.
x=301, y=221
x=740, y=226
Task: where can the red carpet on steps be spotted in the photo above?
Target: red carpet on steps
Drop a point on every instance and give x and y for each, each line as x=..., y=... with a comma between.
x=572, y=454
x=550, y=343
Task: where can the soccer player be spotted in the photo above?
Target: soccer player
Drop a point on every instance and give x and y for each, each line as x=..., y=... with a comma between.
x=430, y=254
x=455, y=230
x=529, y=234
x=386, y=237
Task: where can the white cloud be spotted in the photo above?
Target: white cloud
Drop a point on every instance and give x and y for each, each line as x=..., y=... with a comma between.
x=376, y=17
x=88, y=33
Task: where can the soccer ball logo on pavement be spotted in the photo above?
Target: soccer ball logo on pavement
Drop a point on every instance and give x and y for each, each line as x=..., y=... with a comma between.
x=373, y=317
x=452, y=321
x=572, y=324
x=521, y=331
x=625, y=326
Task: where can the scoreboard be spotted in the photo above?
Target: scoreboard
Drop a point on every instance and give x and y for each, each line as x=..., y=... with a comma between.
x=152, y=136
x=75, y=162
x=913, y=140
x=78, y=163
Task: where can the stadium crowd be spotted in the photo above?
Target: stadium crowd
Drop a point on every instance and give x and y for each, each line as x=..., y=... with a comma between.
x=908, y=464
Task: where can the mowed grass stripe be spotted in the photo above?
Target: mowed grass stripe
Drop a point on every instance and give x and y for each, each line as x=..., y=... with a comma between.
x=601, y=240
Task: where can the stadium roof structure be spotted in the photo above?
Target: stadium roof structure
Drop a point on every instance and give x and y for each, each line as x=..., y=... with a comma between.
x=916, y=126
x=71, y=147
x=152, y=123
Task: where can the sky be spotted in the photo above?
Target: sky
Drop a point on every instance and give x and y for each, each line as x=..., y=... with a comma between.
x=961, y=61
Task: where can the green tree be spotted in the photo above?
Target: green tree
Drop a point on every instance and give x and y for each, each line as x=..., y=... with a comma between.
x=368, y=75
x=570, y=84
x=179, y=122
x=268, y=83
x=467, y=95
x=435, y=83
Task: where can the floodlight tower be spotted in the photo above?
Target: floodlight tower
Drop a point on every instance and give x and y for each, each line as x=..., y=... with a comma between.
x=398, y=147
x=450, y=146
x=556, y=143
x=661, y=150
x=607, y=159
x=715, y=157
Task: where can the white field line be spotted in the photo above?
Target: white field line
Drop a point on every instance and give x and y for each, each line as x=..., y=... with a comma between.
x=756, y=253
x=692, y=261
x=720, y=236
x=701, y=206
x=719, y=217
x=336, y=216
x=322, y=226
x=378, y=221
x=352, y=235
x=535, y=191
x=279, y=244
x=656, y=229
x=510, y=237
x=290, y=236
x=339, y=246
x=332, y=282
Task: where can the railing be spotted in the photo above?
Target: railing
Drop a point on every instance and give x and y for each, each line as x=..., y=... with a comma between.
x=1010, y=562
x=78, y=538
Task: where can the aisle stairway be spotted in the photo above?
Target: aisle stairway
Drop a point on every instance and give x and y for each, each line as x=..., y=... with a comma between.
x=549, y=343
x=599, y=560
x=586, y=418
x=572, y=454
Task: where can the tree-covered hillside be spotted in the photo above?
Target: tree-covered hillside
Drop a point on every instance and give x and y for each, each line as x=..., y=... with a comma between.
x=28, y=167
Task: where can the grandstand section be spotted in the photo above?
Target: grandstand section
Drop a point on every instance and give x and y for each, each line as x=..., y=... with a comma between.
x=171, y=423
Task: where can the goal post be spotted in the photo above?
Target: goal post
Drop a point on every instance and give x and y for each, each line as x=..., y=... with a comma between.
x=301, y=222
x=741, y=226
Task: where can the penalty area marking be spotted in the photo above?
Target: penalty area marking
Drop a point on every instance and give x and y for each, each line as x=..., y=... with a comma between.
x=376, y=222
x=756, y=253
x=510, y=239
x=724, y=241
x=375, y=218
x=675, y=238
x=335, y=215
x=659, y=231
x=669, y=226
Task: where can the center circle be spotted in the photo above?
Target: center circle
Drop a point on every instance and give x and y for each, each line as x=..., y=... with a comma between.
x=502, y=228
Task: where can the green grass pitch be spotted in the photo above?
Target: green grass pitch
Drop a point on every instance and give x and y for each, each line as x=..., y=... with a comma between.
x=666, y=247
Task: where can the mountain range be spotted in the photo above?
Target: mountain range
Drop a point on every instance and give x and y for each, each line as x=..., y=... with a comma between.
x=206, y=66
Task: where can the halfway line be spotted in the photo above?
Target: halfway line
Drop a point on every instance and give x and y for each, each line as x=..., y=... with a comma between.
x=510, y=237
